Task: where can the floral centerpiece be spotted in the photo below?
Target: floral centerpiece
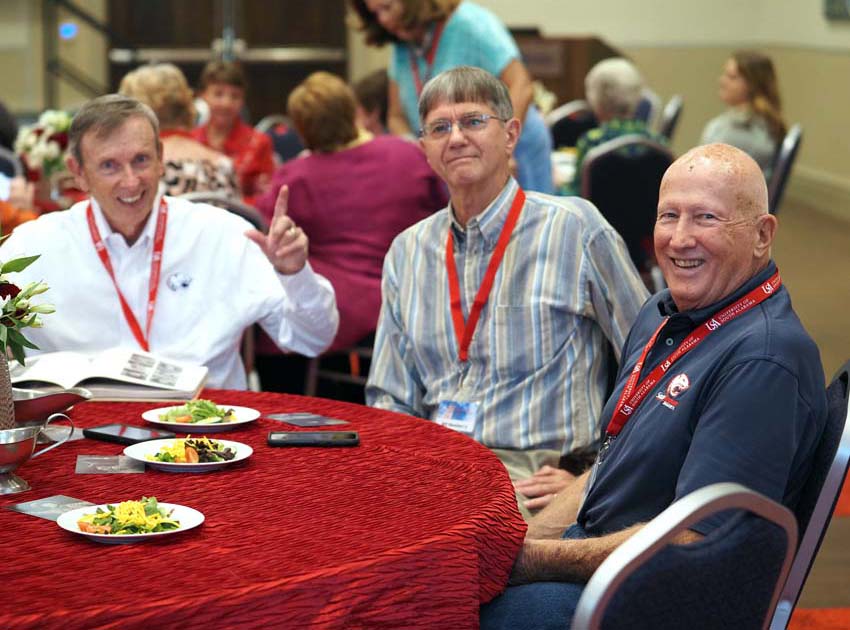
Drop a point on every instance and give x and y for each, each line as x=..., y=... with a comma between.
x=18, y=310
x=42, y=145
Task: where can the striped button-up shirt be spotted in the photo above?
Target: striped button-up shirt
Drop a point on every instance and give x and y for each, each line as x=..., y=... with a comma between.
x=538, y=362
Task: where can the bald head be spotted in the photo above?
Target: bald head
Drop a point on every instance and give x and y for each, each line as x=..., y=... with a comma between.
x=734, y=170
x=713, y=232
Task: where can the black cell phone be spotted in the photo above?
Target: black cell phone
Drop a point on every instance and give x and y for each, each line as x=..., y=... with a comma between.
x=125, y=434
x=313, y=438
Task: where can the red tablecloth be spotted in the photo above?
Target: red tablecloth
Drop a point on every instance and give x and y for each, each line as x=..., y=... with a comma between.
x=414, y=528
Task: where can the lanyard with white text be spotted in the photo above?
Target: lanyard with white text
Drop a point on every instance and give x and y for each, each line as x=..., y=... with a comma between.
x=464, y=330
x=156, y=264
x=429, y=58
x=633, y=394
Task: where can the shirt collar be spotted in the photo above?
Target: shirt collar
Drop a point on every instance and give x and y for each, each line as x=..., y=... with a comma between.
x=109, y=235
x=489, y=223
x=666, y=306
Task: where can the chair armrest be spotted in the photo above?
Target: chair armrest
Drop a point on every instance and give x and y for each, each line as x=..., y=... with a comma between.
x=658, y=533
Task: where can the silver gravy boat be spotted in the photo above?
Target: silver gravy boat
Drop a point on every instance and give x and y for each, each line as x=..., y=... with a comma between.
x=17, y=446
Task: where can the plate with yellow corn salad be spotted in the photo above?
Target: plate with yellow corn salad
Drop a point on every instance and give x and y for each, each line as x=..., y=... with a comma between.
x=130, y=521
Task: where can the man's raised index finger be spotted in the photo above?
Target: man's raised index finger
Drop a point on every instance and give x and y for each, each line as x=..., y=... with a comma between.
x=281, y=206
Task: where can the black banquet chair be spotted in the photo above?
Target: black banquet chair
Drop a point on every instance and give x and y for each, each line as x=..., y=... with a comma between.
x=10, y=163
x=621, y=177
x=569, y=122
x=234, y=205
x=648, y=107
x=670, y=117
x=820, y=494
x=782, y=164
x=729, y=579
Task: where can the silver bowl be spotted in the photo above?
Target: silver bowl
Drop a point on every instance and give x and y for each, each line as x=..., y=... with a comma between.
x=17, y=446
x=34, y=406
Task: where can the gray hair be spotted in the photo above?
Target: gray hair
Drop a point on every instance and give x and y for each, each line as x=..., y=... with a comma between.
x=466, y=84
x=103, y=115
x=613, y=88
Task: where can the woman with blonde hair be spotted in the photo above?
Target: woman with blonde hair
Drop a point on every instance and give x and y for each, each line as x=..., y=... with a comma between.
x=189, y=165
x=352, y=194
x=754, y=121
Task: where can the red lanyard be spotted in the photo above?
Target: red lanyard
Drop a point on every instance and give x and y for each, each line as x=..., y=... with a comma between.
x=429, y=58
x=464, y=330
x=633, y=394
x=156, y=264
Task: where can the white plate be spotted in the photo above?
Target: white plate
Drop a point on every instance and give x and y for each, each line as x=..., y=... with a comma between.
x=141, y=450
x=244, y=415
x=186, y=516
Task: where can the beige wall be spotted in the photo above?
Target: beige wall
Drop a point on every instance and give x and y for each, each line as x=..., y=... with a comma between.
x=22, y=55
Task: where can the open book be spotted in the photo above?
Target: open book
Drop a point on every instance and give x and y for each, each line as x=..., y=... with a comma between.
x=114, y=374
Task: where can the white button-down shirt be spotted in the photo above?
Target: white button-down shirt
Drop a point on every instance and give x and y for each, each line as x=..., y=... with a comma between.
x=214, y=283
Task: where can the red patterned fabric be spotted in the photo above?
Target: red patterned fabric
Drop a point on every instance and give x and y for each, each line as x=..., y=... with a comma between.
x=252, y=155
x=414, y=528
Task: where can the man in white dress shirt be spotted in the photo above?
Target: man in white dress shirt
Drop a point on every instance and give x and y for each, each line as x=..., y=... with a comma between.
x=136, y=269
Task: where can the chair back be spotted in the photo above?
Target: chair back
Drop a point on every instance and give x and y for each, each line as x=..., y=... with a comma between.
x=820, y=494
x=342, y=374
x=622, y=177
x=569, y=122
x=670, y=117
x=648, y=106
x=225, y=201
x=268, y=122
x=729, y=579
x=782, y=165
x=10, y=163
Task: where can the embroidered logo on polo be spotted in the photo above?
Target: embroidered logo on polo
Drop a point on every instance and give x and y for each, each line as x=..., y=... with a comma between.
x=677, y=386
x=177, y=281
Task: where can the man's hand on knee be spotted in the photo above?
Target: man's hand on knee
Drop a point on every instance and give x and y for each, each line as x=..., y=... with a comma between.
x=543, y=485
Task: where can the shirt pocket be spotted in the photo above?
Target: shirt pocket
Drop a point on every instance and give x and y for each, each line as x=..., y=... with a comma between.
x=526, y=338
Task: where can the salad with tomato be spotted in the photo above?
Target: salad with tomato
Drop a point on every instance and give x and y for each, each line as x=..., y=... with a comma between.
x=193, y=451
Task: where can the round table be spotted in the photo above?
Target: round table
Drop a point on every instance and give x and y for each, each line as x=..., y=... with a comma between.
x=416, y=527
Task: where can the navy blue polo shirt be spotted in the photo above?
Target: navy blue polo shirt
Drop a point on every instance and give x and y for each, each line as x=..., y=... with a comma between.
x=746, y=405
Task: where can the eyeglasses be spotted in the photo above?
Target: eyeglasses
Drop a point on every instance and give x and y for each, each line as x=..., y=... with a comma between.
x=473, y=123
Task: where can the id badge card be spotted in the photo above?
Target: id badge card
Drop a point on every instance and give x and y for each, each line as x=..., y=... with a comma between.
x=460, y=416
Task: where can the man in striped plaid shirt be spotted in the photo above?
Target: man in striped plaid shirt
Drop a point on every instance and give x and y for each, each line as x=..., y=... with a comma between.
x=498, y=310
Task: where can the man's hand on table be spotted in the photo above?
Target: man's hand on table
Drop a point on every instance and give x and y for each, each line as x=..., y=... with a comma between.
x=542, y=486
x=286, y=244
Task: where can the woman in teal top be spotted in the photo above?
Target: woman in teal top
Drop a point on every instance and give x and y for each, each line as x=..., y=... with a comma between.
x=431, y=36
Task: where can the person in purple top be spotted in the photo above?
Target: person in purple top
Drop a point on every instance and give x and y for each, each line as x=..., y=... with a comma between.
x=351, y=195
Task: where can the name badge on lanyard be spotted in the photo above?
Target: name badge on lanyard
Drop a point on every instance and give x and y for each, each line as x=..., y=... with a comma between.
x=460, y=416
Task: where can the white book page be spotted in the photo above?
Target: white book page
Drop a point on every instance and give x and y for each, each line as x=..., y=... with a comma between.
x=136, y=366
x=62, y=368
